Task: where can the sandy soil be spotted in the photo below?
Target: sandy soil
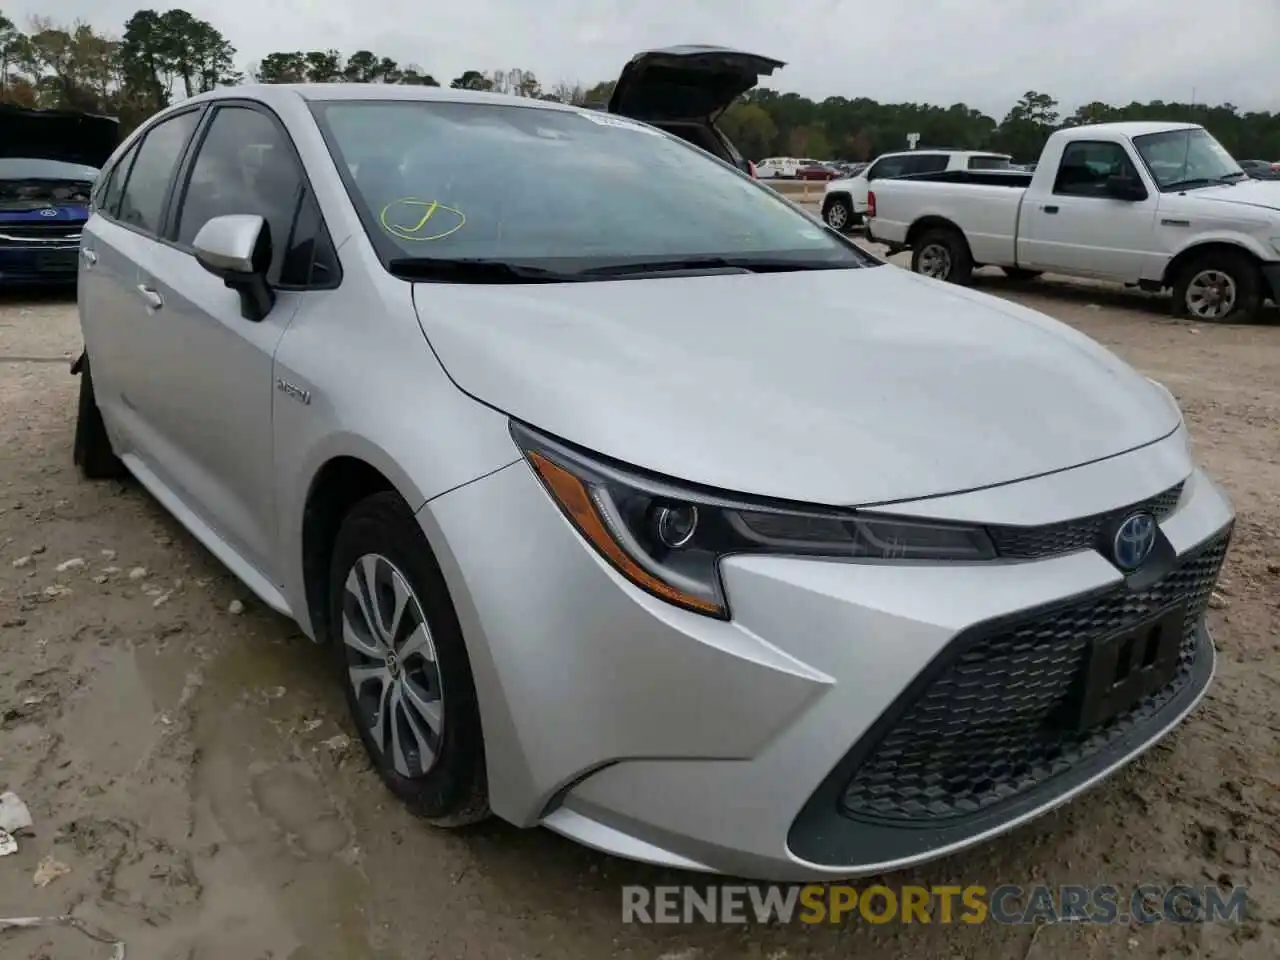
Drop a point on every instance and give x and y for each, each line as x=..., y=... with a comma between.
x=192, y=767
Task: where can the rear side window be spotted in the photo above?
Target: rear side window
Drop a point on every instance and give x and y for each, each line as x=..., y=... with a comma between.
x=927, y=163
x=108, y=197
x=142, y=202
x=989, y=163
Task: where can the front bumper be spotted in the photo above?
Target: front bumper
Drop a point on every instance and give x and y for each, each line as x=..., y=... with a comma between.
x=663, y=736
x=1271, y=276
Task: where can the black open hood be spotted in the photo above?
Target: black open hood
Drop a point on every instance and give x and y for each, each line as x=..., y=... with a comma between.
x=64, y=135
x=693, y=83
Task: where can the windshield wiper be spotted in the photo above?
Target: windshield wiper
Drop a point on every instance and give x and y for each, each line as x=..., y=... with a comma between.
x=473, y=270
x=695, y=265
x=1227, y=180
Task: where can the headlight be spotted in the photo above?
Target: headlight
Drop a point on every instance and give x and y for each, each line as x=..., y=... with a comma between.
x=669, y=539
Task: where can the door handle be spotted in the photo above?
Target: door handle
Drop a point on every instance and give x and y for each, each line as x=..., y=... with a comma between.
x=153, y=299
x=88, y=256
x=1051, y=208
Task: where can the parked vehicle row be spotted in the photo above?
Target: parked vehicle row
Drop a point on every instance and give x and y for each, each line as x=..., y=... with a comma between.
x=1154, y=205
x=49, y=162
x=844, y=203
x=1261, y=169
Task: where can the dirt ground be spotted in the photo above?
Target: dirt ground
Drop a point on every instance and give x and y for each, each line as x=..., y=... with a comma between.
x=193, y=767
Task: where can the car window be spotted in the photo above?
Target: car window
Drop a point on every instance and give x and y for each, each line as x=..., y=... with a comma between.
x=142, y=202
x=888, y=167
x=1177, y=156
x=1088, y=164
x=108, y=194
x=990, y=163
x=244, y=164
x=927, y=163
x=434, y=179
x=309, y=257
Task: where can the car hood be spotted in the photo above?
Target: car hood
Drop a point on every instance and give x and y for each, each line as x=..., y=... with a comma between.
x=61, y=135
x=835, y=387
x=1254, y=193
x=690, y=83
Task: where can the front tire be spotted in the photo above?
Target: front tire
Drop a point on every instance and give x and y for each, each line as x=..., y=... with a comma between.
x=400, y=656
x=838, y=214
x=91, y=449
x=1218, y=287
x=942, y=253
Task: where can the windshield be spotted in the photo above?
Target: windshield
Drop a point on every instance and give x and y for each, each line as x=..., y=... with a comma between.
x=1183, y=158
x=568, y=189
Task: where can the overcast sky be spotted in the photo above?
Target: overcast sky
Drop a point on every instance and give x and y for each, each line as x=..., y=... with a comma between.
x=984, y=52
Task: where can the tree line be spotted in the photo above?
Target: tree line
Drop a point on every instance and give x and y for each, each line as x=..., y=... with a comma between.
x=161, y=56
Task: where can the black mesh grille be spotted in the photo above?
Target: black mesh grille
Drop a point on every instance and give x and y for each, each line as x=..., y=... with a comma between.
x=1071, y=536
x=992, y=723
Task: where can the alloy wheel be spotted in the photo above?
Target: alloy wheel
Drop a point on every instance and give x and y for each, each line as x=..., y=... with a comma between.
x=1211, y=295
x=837, y=216
x=935, y=261
x=392, y=666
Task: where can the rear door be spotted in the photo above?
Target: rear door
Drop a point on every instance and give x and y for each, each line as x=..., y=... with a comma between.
x=218, y=366
x=117, y=244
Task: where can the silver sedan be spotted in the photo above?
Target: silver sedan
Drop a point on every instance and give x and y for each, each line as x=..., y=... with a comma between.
x=625, y=497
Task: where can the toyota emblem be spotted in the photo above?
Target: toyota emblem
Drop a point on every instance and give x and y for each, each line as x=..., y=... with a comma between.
x=1134, y=540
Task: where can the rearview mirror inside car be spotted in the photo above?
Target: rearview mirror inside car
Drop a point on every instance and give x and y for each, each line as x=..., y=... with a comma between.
x=1126, y=188
x=237, y=249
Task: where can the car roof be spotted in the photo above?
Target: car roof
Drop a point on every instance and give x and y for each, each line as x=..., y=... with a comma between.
x=321, y=92
x=947, y=150
x=1135, y=128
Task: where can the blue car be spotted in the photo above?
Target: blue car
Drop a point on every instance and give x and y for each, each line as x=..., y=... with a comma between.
x=49, y=161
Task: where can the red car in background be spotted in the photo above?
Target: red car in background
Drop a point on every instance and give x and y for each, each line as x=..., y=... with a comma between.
x=817, y=171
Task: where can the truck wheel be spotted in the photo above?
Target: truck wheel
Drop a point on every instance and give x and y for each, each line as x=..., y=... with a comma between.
x=1220, y=286
x=91, y=449
x=1019, y=274
x=838, y=213
x=943, y=254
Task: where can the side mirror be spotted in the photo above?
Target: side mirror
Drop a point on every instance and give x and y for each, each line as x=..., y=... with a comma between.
x=1126, y=188
x=236, y=248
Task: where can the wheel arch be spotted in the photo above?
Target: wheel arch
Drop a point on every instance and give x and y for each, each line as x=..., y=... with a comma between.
x=1199, y=248
x=934, y=221
x=835, y=195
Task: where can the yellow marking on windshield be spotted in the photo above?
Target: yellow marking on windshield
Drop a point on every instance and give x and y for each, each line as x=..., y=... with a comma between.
x=420, y=216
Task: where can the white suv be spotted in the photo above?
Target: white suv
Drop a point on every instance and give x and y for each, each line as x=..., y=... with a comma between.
x=845, y=203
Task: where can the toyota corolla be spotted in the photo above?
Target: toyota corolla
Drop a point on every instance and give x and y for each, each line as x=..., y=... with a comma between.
x=627, y=498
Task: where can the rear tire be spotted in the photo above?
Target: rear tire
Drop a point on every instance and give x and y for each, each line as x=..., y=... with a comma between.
x=431, y=753
x=838, y=214
x=1220, y=286
x=943, y=253
x=91, y=450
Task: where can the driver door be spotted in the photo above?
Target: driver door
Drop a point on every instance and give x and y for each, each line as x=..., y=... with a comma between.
x=217, y=415
x=1080, y=229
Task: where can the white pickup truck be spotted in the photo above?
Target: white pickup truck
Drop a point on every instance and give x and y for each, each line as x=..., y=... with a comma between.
x=1153, y=205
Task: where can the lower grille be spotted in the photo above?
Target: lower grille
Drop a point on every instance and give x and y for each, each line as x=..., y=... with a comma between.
x=990, y=724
